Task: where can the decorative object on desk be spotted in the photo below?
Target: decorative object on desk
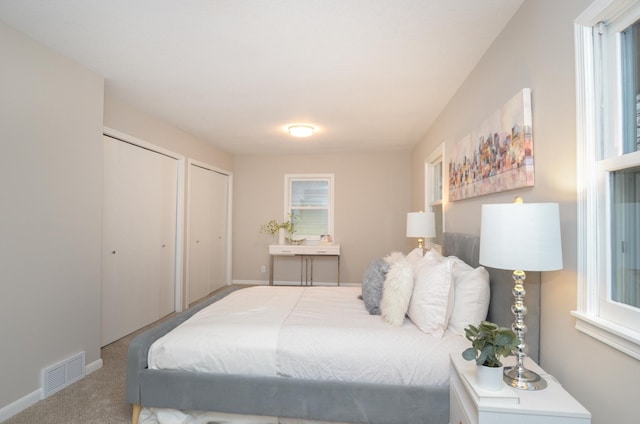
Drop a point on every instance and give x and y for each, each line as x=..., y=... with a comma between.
x=521, y=236
x=489, y=343
x=326, y=239
x=421, y=225
x=274, y=227
x=295, y=242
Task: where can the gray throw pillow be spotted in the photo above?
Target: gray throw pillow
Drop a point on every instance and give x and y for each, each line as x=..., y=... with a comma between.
x=373, y=283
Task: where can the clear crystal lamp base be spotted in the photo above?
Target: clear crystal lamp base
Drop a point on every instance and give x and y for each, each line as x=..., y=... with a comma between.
x=518, y=376
x=523, y=379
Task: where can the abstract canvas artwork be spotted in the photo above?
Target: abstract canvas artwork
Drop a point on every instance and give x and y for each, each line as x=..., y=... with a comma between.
x=497, y=155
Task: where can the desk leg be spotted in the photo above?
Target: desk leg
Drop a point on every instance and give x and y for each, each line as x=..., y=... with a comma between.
x=271, y=271
x=302, y=263
x=308, y=264
x=338, y=270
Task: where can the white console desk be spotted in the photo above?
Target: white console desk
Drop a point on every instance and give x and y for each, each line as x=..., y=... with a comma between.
x=306, y=254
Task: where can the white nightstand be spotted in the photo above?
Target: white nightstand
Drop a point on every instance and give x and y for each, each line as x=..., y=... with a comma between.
x=471, y=405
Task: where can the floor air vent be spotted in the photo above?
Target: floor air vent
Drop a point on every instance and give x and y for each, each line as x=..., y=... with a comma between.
x=59, y=376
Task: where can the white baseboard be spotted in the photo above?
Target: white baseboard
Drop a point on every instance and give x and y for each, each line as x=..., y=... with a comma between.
x=289, y=283
x=20, y=405
x=35, y=396
x=94, y=366
x=250, y=282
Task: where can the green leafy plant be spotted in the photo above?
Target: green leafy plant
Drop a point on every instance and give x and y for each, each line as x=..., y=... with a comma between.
x=489, y=343
x=272, y=227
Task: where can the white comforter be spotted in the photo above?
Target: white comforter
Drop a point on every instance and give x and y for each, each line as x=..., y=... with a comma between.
x=321, y=333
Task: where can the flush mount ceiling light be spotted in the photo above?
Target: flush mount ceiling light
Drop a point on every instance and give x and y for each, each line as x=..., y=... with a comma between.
x=301, y=130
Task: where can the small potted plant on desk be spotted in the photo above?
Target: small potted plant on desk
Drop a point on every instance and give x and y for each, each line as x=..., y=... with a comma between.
x=489, y=343
x=274, y=227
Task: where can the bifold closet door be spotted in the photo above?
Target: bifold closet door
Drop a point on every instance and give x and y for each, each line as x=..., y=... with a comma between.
x=220, y=221
x=208, y=223
x=139, y=237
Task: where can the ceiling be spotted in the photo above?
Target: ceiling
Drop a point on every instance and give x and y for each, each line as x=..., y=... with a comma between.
x=372, y=75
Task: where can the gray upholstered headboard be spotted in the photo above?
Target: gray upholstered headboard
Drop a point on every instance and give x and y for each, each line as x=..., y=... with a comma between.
x=467, y=248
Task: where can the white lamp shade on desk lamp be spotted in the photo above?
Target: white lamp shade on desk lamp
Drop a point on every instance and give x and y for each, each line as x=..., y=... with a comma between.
x=521, y=236
x=421, y=225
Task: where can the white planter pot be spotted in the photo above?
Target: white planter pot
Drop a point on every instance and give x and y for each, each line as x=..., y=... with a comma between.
x=489, y=378
x=281, y=236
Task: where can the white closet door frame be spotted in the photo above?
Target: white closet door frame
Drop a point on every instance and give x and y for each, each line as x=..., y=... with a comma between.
x=229, y=175
x=180, y=203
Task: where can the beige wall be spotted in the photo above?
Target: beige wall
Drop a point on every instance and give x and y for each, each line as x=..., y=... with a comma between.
x=125, y=118
x=51, y=171
x=536, y=50
x=371, y=200
x=52, y=113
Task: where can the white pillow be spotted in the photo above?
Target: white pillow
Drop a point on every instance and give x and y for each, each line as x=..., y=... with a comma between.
x=434, y=254
x=472, y=293
x=437, y=256
x=430, y=302
x=415, y=255
x=393, y=257
x=396, y=293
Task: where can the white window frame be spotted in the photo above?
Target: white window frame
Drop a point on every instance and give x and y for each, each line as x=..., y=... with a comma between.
x=289, y=178
x=432, y=182
x=595, y=314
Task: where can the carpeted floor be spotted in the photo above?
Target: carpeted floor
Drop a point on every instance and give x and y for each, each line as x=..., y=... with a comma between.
x=98, y=398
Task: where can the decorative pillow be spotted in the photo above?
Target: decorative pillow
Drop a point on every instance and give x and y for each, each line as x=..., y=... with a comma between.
x=372, y=285
x=433, y=254
x=394, y=257
x=398, y=287
x=472, y=293
x=415, y=255
x=430, y=302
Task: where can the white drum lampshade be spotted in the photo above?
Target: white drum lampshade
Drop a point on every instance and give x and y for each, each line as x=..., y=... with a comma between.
x=421, y=225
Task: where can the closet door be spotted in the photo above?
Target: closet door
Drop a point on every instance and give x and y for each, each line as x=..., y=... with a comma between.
x=220, y=225
x=161, y=183
x=208, y=223
x=139, y=238
x=199, y=233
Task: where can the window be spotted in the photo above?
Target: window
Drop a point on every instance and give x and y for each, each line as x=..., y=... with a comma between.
x=433, y=190
x=309, y=198
x=608, y=77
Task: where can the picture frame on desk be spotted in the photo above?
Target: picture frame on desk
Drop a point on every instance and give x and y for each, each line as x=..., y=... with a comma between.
x=326, y=239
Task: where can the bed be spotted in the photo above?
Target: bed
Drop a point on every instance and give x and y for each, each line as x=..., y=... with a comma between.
x=310, y=397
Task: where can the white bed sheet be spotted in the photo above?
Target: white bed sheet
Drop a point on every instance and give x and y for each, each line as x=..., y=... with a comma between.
x=235, y=335
x=330, y=336
x=320, y=333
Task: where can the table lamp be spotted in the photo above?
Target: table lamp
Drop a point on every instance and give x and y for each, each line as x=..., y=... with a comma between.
x=421, y=225
x=521, y=237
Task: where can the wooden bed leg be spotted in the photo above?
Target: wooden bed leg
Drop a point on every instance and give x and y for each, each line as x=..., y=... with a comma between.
x=136, y=413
